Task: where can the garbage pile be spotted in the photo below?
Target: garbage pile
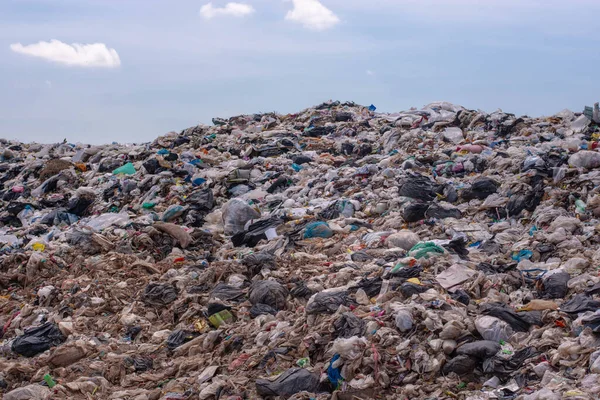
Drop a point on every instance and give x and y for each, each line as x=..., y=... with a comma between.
x=336, y=253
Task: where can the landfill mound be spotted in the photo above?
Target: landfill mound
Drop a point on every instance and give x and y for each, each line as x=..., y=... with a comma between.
x=336, y=253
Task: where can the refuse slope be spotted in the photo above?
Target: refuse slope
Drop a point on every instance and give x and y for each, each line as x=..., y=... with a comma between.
x=333, y=253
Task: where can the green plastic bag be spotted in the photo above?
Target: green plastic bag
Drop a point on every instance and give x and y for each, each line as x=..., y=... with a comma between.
x=425, y=249
x=127, y=169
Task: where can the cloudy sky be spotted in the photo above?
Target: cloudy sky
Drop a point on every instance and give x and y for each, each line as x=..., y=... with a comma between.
x=129, y=70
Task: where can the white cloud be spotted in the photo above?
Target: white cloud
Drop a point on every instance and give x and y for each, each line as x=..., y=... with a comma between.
x=233, y=9
x=370, y=73
x=48, y=84
x=312, y=14
x=76, y=54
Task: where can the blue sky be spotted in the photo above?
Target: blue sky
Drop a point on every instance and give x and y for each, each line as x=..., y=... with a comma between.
x=176, y=67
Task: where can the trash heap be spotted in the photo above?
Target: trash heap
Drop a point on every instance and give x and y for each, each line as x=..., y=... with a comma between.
x=336, y=253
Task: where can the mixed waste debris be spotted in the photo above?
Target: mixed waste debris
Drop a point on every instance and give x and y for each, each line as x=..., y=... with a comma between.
x=336, y=253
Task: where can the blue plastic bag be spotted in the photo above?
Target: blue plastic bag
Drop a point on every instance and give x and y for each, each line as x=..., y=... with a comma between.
x=334, y=375
x=317, y=229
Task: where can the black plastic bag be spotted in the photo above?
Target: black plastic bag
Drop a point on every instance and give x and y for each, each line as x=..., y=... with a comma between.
x=372, y=286
x=151, y=166
x=461, y=296
x=281, y=182
x=260, y=309
x=292, y=381
x=457, y=246
x=255, y=262
x=516, y=321
x=555, y=286
x=343, y=117
x=528, y=200
x=318, y=131
x=213, y=308
x=37, y=340
x=139, y=363
x=407, y=272
x=580, y=303
x=270, y=293
x=439, y=212
x=255, y=232
x=348, y=325
x=418, y=187
x=179, y=337
x=503, y=367
x=301, y=159
x=159, y=295
x=415, y=212
x=327, y=302
x=361, y=256
x=202, y=199
x=480, y=189
x=79, y=205
x=592, y=322
x=408, y=289
x=491, y=269
x=480, y=349
x=301, y=291
x=461, y=365
x=227, y=293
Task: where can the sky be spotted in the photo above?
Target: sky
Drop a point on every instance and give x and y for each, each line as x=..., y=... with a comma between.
x=97, y=71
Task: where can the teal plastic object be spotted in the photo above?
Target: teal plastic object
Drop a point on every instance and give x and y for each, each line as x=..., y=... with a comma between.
x=127, y=169
x=425, y=250
x=522, y=255
x=317, y=229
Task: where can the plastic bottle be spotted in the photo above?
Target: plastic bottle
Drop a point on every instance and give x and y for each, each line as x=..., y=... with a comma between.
x=580, y=206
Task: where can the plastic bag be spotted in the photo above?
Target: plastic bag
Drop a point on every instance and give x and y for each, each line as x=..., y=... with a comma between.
x=292, y=381
x=585, y=159
x=403, y=319
x=317, y=229
x=202, y=199
x=480, y=189
x=493, y=329
x=261, y=309
x=348, y=325
x=179, y=337
x=29, y=392
x=256, y=232
x=159, y=295
x=425, y=250
x=172, y=212
x=104, y=221
x=454, y=135
x=175, y=231
x=555, y=286
x=255, y=262
x=326, y=302
x=37, y=340
x=503, y=367
x=439, y=212
x=517, y=322
x=461, y=365
x=226, y=293
x=417, y=187
x=236, y=213
x=270, y=293
x=580, y=303
x=480, y=349
x=415, y=212
x=127, y=169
